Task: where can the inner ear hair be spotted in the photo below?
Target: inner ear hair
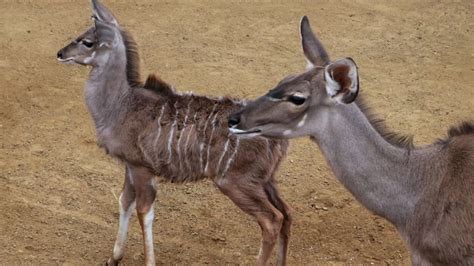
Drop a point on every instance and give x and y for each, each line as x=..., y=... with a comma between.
x=342, y=80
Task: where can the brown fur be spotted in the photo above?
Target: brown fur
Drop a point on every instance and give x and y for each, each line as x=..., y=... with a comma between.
x=181, y=138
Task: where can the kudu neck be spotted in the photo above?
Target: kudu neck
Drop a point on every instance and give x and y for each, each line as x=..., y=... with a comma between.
x=376, y=172
x=107, y=88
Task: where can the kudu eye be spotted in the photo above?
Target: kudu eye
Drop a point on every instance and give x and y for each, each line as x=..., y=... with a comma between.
x=297, y=99
x=87, y=43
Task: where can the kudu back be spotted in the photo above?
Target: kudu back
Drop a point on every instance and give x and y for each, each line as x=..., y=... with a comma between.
x=156, y=131
x=426, y=192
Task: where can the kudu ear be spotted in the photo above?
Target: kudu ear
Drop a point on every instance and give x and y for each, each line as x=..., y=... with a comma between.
x=105, y=34
x=342, y=80
x=312, y=47
x=102, y=13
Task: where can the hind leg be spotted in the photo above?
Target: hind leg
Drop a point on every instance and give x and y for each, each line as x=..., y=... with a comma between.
x=126, y=208
x=284, y=235
x=252, y=199
x=145, y=187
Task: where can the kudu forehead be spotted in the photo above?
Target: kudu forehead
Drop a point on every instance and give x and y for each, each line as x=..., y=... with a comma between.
x=295, y=83
x=88, y=34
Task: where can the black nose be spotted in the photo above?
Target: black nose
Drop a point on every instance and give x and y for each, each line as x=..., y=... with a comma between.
x=60, y=54
x=233, y=120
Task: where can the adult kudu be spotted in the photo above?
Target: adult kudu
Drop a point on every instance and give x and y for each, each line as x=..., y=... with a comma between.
x=426, y=192
x=180, y=137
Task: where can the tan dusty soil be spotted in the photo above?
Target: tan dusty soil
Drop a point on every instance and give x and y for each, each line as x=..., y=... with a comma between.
x=58, y=190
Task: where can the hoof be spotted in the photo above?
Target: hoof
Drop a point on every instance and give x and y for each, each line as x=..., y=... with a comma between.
x=112, y=262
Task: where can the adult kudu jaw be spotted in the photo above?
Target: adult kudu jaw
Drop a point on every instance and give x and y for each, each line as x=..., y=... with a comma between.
x=426, y=192
x=179, y=137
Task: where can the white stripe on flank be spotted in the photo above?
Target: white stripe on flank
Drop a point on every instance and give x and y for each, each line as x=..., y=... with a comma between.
x=182, y=133
x=187, y=143
x=269, y=151
x=209, y=143
x=231, y=158
x=201, y=145
x=170, y=138
x=159, y=126
x=226, y=145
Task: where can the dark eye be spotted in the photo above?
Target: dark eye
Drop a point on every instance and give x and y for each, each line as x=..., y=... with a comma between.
x=87, y=43
x=297, y=99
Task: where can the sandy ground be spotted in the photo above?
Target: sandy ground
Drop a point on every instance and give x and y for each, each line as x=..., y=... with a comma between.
x=58, y=190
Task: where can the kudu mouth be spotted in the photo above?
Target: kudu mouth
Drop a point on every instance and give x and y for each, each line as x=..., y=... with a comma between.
x=236, y=131
x=59, y=57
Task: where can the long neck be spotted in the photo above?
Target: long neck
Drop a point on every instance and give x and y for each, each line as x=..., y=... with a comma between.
x=107, y=88
x=379, y=174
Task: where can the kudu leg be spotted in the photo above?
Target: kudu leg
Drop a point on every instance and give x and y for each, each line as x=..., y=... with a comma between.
x=252, y=199
x=145, y=187
x=284, y=236
x=126, y=208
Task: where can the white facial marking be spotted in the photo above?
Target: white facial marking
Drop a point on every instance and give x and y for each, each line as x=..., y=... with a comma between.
x=287, y=132
x=309, y=65
x=89, y=59
x=302, y=121
x=231, y=158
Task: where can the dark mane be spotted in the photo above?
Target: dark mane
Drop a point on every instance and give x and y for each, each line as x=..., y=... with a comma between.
x=465, y=128
x=157, y=85
x=393, y=138
x=133, y=60
x=153, y=82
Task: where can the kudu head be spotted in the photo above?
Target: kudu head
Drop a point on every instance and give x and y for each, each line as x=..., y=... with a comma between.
x=94, y=46
x=301, y=103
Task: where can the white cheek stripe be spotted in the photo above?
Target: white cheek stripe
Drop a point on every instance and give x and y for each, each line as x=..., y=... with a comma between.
x=89, y=59
x=302, y=121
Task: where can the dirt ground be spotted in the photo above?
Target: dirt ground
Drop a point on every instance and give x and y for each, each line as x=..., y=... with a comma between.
x=58, y=190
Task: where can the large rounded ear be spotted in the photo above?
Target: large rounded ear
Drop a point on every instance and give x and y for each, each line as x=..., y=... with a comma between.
x=312, y=47
x=342, y=80
x=102, y=13
x=105, y=34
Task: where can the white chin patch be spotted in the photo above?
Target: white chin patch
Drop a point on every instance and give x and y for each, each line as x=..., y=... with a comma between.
x=88, y=60
x=69, y=60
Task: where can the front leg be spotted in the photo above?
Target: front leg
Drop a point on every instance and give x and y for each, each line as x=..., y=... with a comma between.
x=126, y=207
x=145, y=187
